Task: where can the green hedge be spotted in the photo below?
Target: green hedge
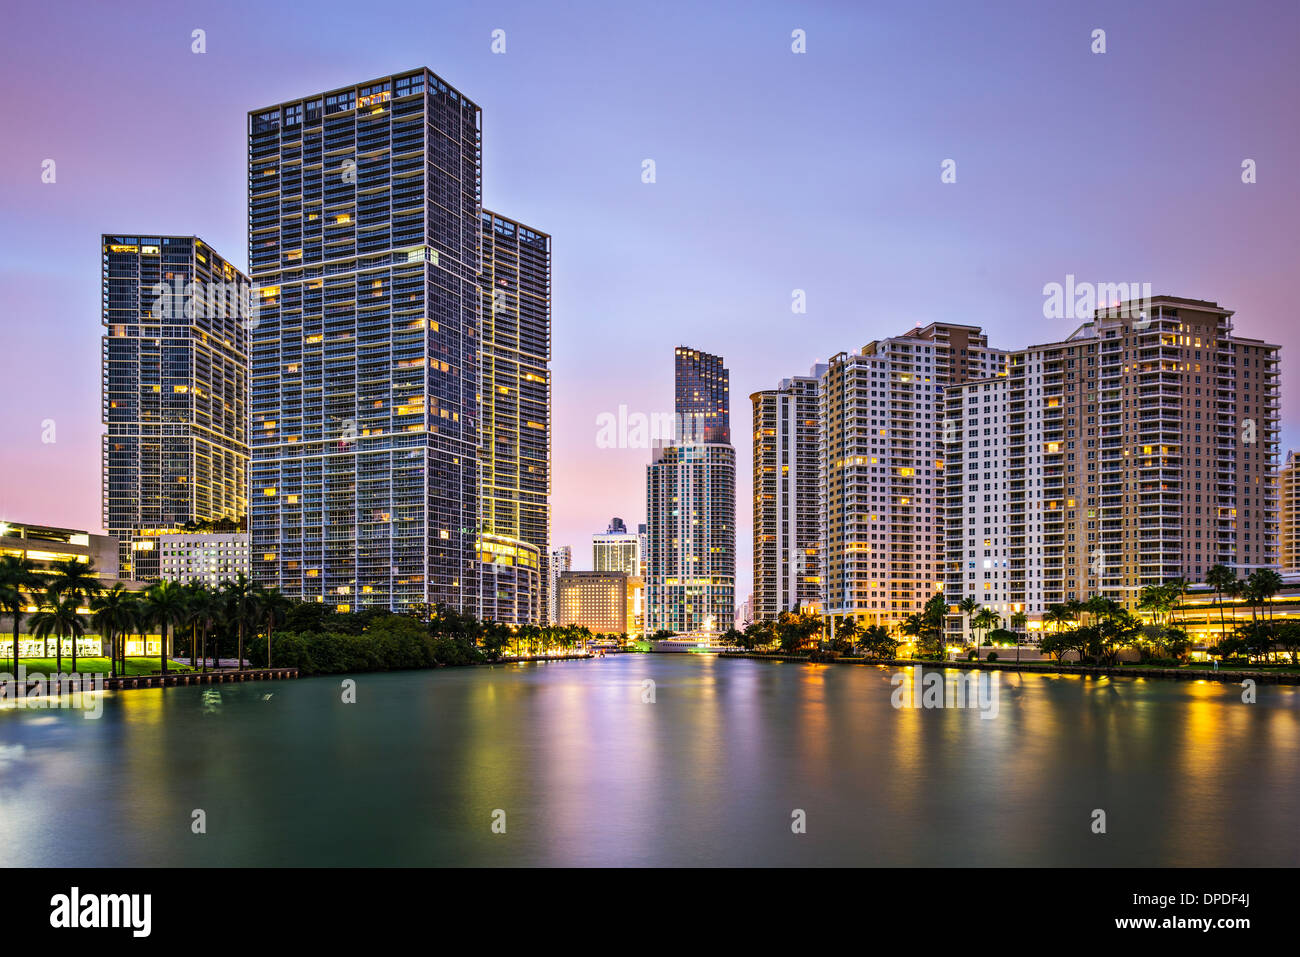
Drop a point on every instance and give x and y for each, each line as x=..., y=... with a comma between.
x=395, y=644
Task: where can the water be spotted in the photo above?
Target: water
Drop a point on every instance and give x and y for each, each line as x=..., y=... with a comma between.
x=710, y=773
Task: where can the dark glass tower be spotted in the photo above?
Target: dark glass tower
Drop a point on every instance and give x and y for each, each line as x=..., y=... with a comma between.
x=702, y=400
x=364, y=235
x=175, y=388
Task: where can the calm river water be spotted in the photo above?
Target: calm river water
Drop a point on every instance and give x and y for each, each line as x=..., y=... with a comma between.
x=711, y=772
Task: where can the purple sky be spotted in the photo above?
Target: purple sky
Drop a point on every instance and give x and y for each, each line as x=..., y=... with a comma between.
x=775, y=172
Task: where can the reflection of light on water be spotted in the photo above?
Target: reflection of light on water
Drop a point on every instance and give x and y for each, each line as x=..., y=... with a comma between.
x=211, y=700
x=10, y=754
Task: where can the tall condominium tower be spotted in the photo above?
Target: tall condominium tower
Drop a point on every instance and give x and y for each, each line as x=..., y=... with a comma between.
x=515, y=419
x=787, y=565
x=364, y=234
x=1289, y=518
x=559, y=562
x=175, y=387
x=691, y=508
x=702, y=397
x=1140, y=449
x=880, y=468
x=616, y=550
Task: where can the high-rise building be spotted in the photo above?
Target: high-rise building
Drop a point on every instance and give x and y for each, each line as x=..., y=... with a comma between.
x=175, y=388
x=1140, y=449
x=643, y=540
x=515, y=420
x=702, y=397
x=559, y=562
x=616, y=550
x=365, y=237
x=1289, y=518
x=787, y=567
x=207, y=557
x=594, y=600
x=880, y=468
x=691, y=508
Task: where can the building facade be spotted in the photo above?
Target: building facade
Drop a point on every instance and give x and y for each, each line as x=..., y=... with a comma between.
x=206, y=557
x=702, y=397
x=176, y=319
x=594, y=600
x=559, y=562
x=787, y=565
x=365, y=237
x=515, y=420
x=1289, y=515
x=880, y=468
x=691, y=508
x=616, y=550
x=1140, y=449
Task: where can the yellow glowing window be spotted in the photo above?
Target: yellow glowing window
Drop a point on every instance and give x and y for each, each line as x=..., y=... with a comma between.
x=268, y=492
x=291, y=499
x=343, y=218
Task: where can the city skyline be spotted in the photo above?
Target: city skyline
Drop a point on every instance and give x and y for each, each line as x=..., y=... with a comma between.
x=978, y=254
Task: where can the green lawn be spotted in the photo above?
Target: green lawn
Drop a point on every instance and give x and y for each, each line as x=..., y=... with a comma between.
x=85, y=666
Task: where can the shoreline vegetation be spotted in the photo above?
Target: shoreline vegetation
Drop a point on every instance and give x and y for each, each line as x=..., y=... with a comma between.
x=1262, y=674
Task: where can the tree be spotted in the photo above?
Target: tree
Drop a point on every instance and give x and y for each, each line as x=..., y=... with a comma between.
x=985, y=620
x=1265, y=583
x=877, y=643
x=18, y=580
x=969, y=606
x=58, y=616
x=846, y=627
x=1222, y=579
x=75, y=579
x=272, y=606
x=165, y=605
x=114, y=612
x=239, y=608
x=1058, y=616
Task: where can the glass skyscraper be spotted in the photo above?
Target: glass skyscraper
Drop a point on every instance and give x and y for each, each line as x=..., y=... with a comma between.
x=691, y=507
x=364, y=236
x=175, y=388
x=515, y=419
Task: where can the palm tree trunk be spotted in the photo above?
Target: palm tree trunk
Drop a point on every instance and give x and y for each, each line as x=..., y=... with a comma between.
x=162, y=646
x=17, y=615
x=58, y=653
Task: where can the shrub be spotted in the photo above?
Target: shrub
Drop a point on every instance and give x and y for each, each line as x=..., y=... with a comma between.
x=993, y=656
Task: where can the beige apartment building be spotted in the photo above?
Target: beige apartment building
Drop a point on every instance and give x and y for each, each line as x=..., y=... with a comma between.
x=881, y=467
x=1289, y=517
x=787, y=562
x=1141, y=448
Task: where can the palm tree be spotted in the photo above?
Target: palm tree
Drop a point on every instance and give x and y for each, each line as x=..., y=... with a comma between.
x=114, y=613
x=73, y=578
x=205, y=609
x=239, y=607
x=18, y=578
x=59, y=616
x=271, y=606
x=1020, y=622
x=969, y=605
x=1222, y=579
x=165, y=606
x=986, y=620
x=1058, y=616
x=1266, y=583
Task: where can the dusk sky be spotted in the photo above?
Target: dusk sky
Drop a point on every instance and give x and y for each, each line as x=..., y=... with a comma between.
x=775, y=171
